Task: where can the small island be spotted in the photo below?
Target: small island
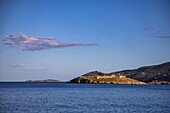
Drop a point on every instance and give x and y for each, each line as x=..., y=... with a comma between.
x=49, y=80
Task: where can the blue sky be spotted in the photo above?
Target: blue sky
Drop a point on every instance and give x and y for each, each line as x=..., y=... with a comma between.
x=63, y=39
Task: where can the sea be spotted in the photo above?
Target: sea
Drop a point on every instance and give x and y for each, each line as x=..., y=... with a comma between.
x=36, y=97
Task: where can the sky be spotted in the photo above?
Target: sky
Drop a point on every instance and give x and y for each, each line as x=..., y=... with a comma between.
x=63, y=39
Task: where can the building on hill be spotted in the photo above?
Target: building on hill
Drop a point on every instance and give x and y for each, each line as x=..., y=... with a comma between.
x=106, y=76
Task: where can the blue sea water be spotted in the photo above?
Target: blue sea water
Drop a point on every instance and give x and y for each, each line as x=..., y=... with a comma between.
x=25, y=97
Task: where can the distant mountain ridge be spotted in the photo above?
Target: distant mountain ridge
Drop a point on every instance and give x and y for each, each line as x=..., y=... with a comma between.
x=148, y=73
x=156, y=74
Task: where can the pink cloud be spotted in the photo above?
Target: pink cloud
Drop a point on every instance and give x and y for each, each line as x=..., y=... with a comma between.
x=29, y=43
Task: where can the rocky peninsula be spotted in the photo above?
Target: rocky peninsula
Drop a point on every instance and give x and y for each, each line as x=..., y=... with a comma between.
x=103, y=78
x=156, y=74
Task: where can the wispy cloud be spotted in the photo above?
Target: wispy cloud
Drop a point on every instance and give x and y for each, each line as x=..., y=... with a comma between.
x=19, y=65
x=43, y=69
x=29, y=69
x=148, y=29
x=34, y=69
x=29, y=43
x=23, y=67
x=157, y=33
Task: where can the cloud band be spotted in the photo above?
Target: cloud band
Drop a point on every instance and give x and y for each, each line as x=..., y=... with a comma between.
x=29, y=43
